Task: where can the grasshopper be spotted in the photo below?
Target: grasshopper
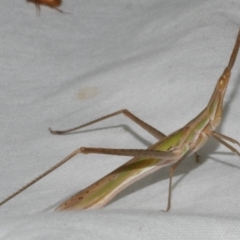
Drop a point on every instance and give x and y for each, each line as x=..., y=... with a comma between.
x=169, y=150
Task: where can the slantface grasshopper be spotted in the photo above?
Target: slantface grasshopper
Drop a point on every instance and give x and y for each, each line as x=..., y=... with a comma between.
x=169, y=150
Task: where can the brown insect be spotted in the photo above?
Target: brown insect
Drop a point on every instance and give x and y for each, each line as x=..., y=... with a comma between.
x=50, y=3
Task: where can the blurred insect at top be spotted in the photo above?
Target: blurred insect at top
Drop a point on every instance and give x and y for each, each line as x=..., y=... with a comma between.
x=50, y=3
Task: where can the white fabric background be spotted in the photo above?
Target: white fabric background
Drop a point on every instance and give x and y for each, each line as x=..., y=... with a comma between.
x=159, y=59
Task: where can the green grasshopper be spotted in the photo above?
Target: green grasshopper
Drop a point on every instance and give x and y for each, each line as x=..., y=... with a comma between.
x=169, y=150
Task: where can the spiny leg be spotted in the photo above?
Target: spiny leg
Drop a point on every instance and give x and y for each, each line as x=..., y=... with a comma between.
x=153, y=131
x=171, y=174
x=40, y=176
x=123, y=152
x=144, y=153
x=219, y=137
